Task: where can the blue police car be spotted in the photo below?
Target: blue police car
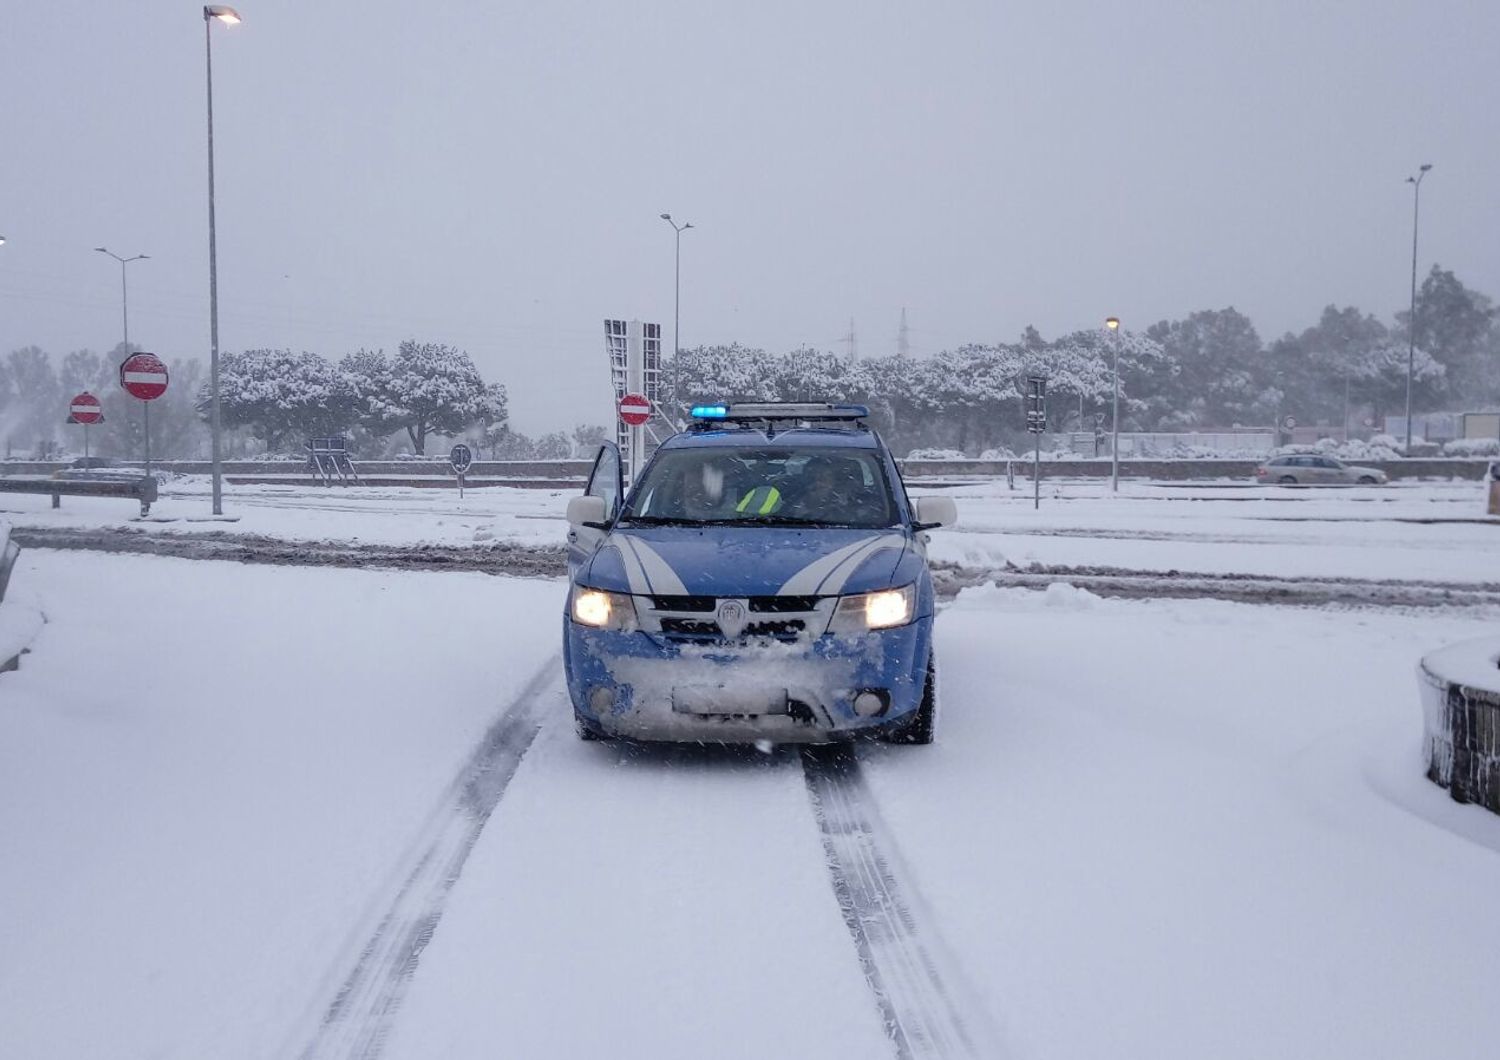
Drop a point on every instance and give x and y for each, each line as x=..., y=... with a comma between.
x=765, y=578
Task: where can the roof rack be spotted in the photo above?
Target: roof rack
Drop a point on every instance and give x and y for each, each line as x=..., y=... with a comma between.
x=779, y=414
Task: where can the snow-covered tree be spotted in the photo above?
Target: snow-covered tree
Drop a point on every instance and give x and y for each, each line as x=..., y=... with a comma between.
x=1224, y=377
x=37, y=412
x=427, y=388
x=554, y=446
x=587, y=438
x=281, y=397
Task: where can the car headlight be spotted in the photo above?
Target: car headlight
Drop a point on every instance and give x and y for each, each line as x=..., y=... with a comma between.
x=602, y=610
x=878, y=610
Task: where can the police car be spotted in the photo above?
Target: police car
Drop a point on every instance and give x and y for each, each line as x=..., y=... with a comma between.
x=764, y=579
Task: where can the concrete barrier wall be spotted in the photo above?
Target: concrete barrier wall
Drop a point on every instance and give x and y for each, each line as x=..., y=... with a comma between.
x=1437, y=467
x=1169, y=470
x=1460, y=688
x=404, y=468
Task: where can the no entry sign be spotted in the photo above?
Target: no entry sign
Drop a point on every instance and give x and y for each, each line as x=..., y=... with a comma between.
x=85, y=409
x=635, y=409
x=144, y=376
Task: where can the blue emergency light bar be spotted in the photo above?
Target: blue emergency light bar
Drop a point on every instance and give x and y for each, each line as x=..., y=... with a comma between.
x=780, y=410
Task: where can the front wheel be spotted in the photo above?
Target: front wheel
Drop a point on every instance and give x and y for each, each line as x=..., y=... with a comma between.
x=922, y=728
x=587, y=731
x=1367, y=480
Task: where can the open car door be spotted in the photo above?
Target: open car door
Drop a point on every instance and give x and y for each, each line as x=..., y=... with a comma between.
x=607, y=483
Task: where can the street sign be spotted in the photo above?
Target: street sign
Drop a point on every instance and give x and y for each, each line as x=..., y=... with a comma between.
x=1036, y=404
x=85, y=409
x=1036, y=423
x=144, y=376
x=459, y=458
x=1289, y=422
x=635, y=409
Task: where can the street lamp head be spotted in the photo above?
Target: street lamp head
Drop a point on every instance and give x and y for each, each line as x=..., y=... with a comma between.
x=1426, y=166
x=1113, y=323
x=102, y=250
x=688, y=225
x=227, y=15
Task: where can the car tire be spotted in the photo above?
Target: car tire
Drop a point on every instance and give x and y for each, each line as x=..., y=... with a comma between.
x=1367, y=480
x=587, y=731
x=922, y=728
x=1286, y=480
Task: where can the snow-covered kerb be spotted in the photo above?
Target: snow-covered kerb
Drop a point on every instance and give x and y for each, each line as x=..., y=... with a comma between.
x=1461, y=719
x=19, y=622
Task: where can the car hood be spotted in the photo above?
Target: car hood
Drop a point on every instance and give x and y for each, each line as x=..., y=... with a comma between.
x=745, y=561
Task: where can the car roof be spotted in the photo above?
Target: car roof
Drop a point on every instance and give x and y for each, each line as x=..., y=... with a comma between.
x=757, y=438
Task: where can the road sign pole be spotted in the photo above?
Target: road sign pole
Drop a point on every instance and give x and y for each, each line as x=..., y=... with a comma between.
x=146, y=417
x=85, y=445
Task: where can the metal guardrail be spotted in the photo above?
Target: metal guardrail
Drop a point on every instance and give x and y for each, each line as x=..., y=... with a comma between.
x=9, y=553
x=140, y=488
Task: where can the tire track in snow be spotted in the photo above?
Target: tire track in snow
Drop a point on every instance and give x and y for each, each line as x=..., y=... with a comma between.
x=924, y=1000
x=364, y=1010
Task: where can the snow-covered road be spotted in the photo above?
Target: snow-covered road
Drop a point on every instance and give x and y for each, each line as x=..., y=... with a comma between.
x=219, y=784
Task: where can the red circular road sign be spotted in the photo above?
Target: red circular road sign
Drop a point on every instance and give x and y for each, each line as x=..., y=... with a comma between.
x=635, y=409
x=144, y=376
x=85, y=408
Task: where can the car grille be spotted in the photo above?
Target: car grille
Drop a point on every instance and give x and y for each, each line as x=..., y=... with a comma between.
x=690, y=619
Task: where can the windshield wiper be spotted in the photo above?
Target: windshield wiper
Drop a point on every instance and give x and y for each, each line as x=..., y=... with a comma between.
x=659, y=520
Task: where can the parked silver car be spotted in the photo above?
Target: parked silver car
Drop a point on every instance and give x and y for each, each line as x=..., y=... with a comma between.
x=1305, y=469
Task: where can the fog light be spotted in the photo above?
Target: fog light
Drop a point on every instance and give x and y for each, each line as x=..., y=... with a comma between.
x=868, y=704
x=602, y=700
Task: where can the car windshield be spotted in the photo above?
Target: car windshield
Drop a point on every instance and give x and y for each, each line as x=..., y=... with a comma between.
x=771, y=487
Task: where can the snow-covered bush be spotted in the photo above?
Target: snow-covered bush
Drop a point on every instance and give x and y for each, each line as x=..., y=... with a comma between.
x=1472, y=447
x=935, y=454
x=1380, y=447
x=997, y=454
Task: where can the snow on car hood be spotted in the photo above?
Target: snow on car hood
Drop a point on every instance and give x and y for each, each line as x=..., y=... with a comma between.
x=745, y=561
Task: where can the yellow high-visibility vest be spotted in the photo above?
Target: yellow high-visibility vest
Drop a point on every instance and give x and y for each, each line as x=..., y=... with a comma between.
x=762, y=500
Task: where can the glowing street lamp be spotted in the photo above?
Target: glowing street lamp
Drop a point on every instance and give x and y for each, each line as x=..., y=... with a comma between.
x=1113, y=323
x=1411, y=323
x=230, y=17
x=677, y=318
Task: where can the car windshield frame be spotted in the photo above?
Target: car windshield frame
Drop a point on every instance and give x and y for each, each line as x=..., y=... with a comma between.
x=861, y=496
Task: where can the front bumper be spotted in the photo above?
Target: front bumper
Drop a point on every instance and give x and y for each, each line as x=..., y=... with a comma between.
x=643, y=686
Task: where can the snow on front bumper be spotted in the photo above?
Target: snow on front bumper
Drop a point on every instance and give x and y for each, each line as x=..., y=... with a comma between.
x=635, y=685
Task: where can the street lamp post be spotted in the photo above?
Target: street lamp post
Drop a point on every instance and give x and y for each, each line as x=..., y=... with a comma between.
x=677, y=316
x=1411, y=323
x=1113, y=323
x=125, y=332
x=229, y=16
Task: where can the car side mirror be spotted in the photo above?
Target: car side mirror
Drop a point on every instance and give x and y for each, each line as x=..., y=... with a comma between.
x=587, y=511
x=933, y=512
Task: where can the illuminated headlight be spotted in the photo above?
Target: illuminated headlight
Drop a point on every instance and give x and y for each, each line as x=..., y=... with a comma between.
x=882, y=610
x=601, y=610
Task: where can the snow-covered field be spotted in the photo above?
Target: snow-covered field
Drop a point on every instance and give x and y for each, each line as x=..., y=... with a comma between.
x=1421, y=532
x=231, y=795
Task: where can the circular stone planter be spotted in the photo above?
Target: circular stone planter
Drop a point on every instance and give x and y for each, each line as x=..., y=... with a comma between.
x=1461, y=720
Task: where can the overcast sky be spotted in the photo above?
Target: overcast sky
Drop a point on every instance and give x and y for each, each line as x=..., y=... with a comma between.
x=491, y=174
